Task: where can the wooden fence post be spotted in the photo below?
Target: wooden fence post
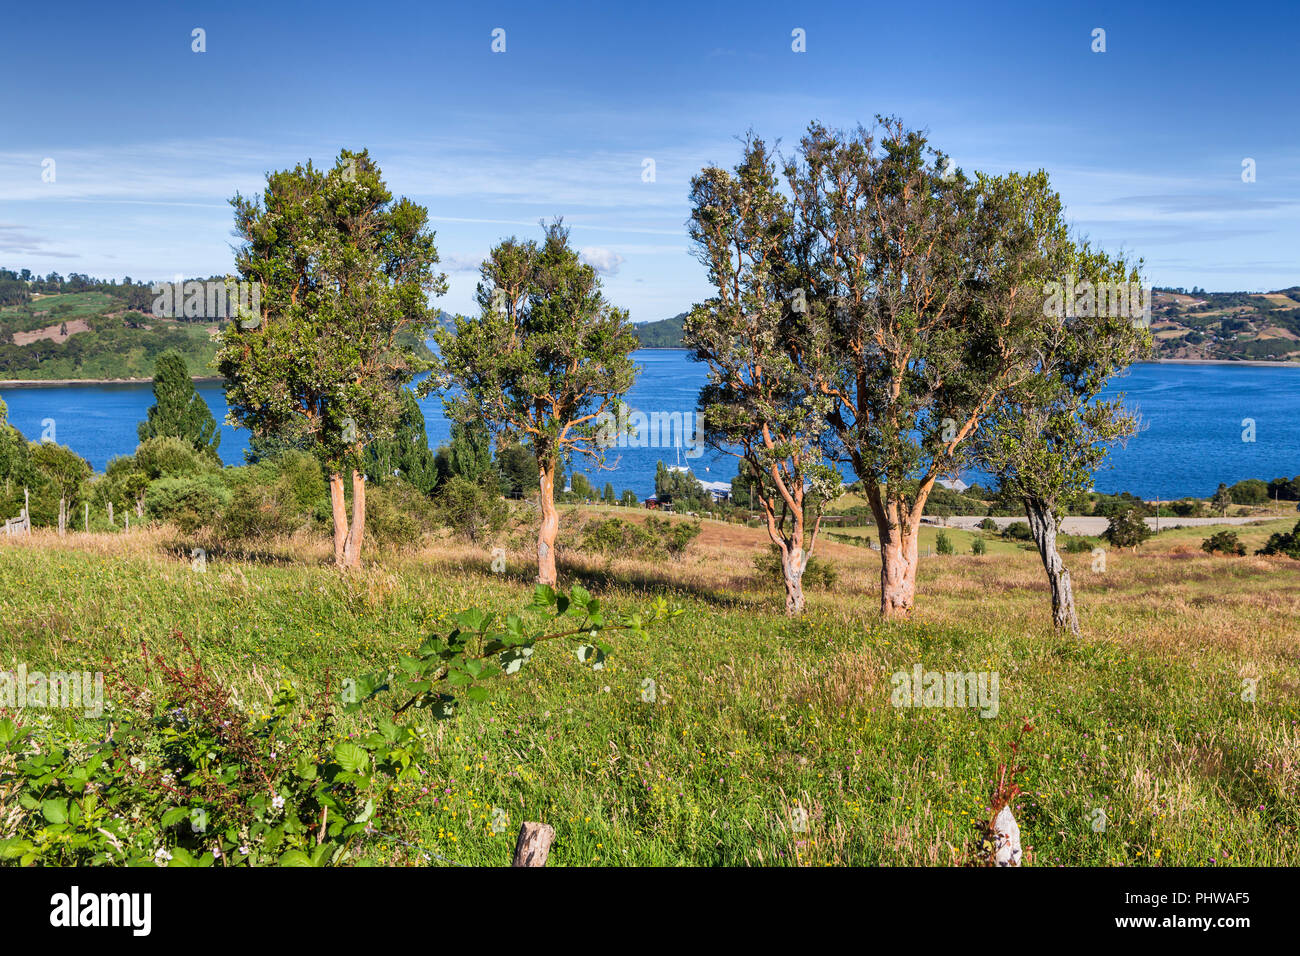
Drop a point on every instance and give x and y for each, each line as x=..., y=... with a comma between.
x=533, y=845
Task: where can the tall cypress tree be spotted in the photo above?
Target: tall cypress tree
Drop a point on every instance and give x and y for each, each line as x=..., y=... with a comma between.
x=178, y=410
x=407, y=451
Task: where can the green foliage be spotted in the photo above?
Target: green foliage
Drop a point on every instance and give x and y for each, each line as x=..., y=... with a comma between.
x=614, y=536
x=470, y=452
x=1287, y=543
x=664, y=334
x=518, y=468
x=188, y=776
x=657, y=536
x=1018, y=531
x=988, y=524
x=546, y=350
x=1076, y=545
x=1252, y=491
x=277, y=496
x=189, y=502
x=944, y=503
x=977, y=546
x=406, y=454
x=681, y=489
x=1224, y=542
x=398, y=514
x=771, y=371
x=580, y=488
x=1284, y=489
x=178, y=410
x=169, y=457
x=629, y=499
x=1126, y=530
x=674, y=536
x=476, y=512
x=943, y=544
x=456, y=665
x=346, y=272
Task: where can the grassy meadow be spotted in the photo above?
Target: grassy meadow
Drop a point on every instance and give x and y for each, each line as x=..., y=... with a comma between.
x=755, y=715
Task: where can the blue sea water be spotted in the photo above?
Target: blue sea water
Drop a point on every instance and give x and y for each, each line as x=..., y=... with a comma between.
x=1194, y=422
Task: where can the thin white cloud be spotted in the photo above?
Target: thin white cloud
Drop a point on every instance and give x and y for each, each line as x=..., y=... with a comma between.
x=605, y=261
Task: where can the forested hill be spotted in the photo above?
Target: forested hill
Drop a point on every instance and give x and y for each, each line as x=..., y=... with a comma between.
x=664, y=334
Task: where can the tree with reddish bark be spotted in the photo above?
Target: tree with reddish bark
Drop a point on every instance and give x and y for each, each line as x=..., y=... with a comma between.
x=891, y=241
x=547, y=356
x=766, y=351
x=346, y=274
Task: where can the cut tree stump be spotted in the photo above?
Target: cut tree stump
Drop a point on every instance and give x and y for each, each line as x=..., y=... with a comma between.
x=533, y=845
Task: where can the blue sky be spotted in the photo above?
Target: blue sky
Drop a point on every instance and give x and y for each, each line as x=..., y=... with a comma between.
x=1145, y=141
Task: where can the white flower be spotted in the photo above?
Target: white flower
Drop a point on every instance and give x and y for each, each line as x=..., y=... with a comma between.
x=245, y=850
x=277, y=802
x=162, y=856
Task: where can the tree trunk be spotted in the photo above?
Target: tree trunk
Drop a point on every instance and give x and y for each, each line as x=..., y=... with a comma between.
x=63, y=516
x=1042, y=522
x=357, y=533
x=898, y=561
x=339, y=506
x=550, y=524
x=900, y=533
x=793, y=563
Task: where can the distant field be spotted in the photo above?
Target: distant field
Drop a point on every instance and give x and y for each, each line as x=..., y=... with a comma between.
x=99, y=344
x=1143, y=718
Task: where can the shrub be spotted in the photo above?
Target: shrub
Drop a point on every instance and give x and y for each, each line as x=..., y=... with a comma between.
x=277, y=496
x=977, y=546
x=1018, y=531
x=168, y=457
x=1078, y=545
x=471, y=510
x=398, y=513
x=943, y=544
x=1288, y=544
x=615, y=536
x=988, y=524
x=1126, y=530
x=1224, y=542
x=673, y=536
x=190, y=502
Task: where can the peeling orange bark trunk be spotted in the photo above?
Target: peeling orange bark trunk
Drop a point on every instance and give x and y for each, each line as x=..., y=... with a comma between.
x=339, y=506
x=348, y=537
x=357, y=533
x=550, y=525
x=898, y=559
x=900, y=534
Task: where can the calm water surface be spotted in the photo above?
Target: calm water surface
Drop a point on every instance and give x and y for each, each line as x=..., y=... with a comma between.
x=1192, y=414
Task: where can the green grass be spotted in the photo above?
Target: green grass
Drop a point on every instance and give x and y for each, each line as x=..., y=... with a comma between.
x=755, y=713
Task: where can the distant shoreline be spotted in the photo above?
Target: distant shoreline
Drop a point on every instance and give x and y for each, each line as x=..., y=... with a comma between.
x=54, y=382
x=1261, y=362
